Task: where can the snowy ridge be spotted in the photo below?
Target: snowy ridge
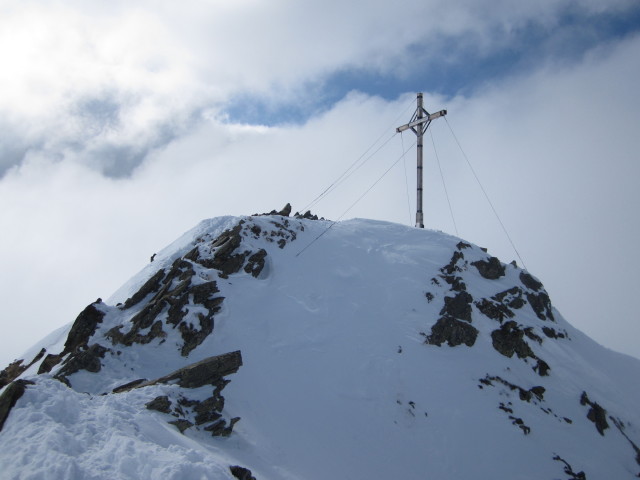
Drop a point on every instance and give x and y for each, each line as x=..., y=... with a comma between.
x=380, y=352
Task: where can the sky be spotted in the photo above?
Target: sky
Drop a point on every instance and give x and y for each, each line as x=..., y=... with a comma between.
x=124, y=124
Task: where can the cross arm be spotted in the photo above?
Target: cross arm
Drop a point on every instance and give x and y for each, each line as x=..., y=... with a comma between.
x=422, y=120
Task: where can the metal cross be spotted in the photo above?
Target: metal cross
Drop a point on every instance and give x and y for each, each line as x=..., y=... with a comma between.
x=419, y=124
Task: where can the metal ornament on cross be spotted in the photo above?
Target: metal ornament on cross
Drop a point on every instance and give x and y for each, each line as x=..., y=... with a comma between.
x=419, y=124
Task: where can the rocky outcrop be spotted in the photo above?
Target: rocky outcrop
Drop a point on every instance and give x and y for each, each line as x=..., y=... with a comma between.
x=255, y=263
x=452, y=332
x=50, y=361
x=10, y=396
x=206, y=413
x=596, y=413
x=17, y=368
x=530, y=281
x=307, y=215
x=172, y=292
x=241, y=473
x=568, y=469
x=209, y=371
x=286, y=211
x=83, y=328
x=150, y=286
x=205, y=372
x=458, y=306
x=160, y=403
x=509, y=339
x=537, y=297
x=490, y=269
x=88, y=360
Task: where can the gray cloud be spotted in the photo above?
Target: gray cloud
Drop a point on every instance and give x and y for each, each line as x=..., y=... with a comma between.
x=105, y=84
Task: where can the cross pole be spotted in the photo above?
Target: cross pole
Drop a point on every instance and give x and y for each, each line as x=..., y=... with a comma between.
x=419, y=124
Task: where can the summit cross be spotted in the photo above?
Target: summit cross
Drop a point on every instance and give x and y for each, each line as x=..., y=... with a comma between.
x=419, y=124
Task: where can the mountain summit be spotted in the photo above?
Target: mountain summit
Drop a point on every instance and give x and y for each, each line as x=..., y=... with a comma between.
x=379, y=352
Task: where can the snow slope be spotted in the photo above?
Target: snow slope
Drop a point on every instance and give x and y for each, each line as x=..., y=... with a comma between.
x=342, y=374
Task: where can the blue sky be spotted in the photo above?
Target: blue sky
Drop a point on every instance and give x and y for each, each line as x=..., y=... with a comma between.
x=124, y=125
x=453, y=65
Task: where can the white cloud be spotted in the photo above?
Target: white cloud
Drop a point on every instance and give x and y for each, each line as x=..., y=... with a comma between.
x=84, y=79
x=113, y=87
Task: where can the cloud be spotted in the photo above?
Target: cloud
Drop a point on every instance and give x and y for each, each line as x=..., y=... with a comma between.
x=117, y=138
x=107, y=83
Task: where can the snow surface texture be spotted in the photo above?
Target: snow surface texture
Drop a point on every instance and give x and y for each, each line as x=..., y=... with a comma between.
x=380, y=352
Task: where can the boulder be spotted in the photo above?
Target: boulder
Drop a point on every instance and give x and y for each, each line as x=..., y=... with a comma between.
x=490, y=269
x=458, y=306
x=83, y=328
x=508, y=339
x=453, y=332
x=241, y=473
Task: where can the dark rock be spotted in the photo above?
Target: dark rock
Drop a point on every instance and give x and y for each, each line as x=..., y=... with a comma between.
x=532, y=335
x=241, y=473
x=224, y=260
x=202, y=294
x=541, y=305
x=10, y=396
x=161, y=404
x=456, y=282
x=596, y=414
x=133, y=336
x=491, y=269
x=620, y=426
x=88, y=360
x=193, y=337
x=530, y=281
x=83, y=328
x=128, y=386
x=151, y=285
x=286, y=211
x=182, y=424
x=255, y=264
x=524, y=394
x=429, y=296
x=174, y=293
x=551, y=333
x=15, y=369
x=453, y=266
x=508, y=339
x=538, y=392
x=520, y=424
x=205, y=372
x=452, y=331
x=193, y=255
x=220, y=427
x=542, y=368
x=569, y=470
x=494, y=310
x=209, y=410
x=307, y=215
x=511, y=297
x=458, y=306
x=462, y=245
x=49, y=362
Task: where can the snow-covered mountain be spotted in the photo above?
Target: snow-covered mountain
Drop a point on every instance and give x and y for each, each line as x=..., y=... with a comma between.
x=379, y=352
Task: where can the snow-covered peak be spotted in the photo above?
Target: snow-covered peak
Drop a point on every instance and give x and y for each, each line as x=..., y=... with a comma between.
x=361, y=349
